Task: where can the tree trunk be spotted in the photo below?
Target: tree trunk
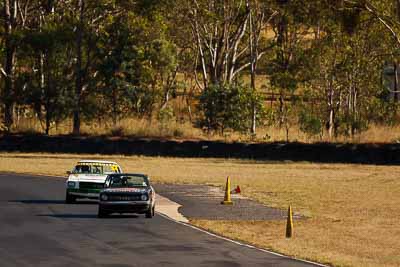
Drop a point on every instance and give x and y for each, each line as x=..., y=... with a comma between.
x=331, y=122
x=253, y=60
x=9, y=88
x=281, y=41
x=396, y=81
x=114, y=108
x=47, y=130
x=166, y=99
x=78, y=71
x=49, y=87
x=397, y=3
x=281, y=108
x=331, y=129
x=9, y=64
x=287, y=128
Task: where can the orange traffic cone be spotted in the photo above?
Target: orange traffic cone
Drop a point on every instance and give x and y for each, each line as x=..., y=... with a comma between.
x=227, y=198
x=289, y=223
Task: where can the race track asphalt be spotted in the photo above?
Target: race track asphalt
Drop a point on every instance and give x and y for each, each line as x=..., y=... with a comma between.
x=38, y=229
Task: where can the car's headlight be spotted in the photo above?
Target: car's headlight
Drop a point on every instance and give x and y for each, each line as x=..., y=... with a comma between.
x=71, y=184
x=104, y=197
x=144, y=197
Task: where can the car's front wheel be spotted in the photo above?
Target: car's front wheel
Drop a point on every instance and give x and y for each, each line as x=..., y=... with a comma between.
x=150, y=213
x=70, y=199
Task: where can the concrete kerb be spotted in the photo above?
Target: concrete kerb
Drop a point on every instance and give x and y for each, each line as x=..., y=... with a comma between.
x=169, y=209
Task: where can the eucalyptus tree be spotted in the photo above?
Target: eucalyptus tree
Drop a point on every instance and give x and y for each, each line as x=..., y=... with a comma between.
x=260, y=17
x=88, y=18
x=136, y=63
x=349, y=53
x=15, y=18
x=386, y=13
x=49, y=64
x=288, y=64
x=220, y=35
x=228, y=38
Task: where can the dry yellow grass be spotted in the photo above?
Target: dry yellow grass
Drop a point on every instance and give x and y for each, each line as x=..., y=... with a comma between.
x=353, y=210
x=126, y=127
x=186, y=130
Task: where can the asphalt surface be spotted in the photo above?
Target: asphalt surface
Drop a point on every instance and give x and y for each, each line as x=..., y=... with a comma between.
x=38, y=229
x=204, y=202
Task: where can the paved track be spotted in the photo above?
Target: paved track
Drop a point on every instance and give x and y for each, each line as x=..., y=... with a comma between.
x=203, y=202
x=38, y=229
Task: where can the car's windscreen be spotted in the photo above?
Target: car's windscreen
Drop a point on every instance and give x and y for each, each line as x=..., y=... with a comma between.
x=128, y=181
x=95, y=169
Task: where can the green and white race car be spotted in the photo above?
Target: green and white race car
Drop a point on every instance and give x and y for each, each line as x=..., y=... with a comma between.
x=87, y=179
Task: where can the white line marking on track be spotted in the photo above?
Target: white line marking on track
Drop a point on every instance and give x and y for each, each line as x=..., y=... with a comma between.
x=239, y=243
x=206, y=232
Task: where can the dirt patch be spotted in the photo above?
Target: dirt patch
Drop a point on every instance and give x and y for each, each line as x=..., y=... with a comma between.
x=204, y=202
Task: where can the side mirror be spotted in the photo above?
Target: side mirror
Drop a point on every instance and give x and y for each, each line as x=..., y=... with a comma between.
x=68, y=172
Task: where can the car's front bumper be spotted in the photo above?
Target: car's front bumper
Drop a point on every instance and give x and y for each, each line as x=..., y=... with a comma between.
x=84, y=193
x=125, y=206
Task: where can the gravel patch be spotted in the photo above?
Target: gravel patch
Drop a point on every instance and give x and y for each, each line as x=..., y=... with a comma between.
x=204, y=202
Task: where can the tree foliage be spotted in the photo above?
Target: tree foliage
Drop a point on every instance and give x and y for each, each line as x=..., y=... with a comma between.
x=228, y=107
x=89, y=60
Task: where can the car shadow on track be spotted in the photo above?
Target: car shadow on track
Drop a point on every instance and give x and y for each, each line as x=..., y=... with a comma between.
x=69, y=216
x=52, y=201
x=87, y=216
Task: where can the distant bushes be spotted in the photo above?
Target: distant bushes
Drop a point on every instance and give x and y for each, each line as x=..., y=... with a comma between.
x=230, y=107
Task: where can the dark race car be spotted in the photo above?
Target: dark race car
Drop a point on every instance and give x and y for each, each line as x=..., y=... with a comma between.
x=127, y=193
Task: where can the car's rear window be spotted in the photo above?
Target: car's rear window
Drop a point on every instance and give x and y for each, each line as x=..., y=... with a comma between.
x=95, y=169
x=128, y=181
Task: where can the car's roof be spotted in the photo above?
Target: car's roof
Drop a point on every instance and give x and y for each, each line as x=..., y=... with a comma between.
x=129, y=174
x=98, y=161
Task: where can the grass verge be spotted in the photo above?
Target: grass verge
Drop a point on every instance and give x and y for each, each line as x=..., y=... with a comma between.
x=181, y=130
x=353, y=210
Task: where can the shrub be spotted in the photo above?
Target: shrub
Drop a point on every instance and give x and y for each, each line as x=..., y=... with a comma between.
x=225, y=107
x=165, y=117
x=178, y=133
x=117, y=131
x=310, y=124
